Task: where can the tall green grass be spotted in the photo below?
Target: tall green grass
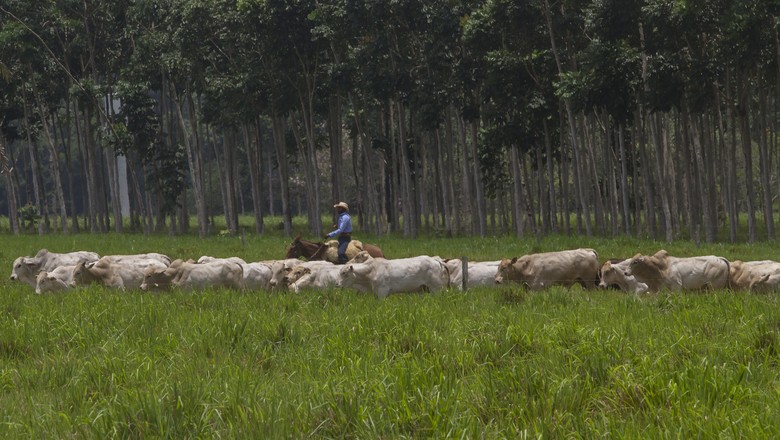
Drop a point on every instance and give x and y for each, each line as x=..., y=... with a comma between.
x=492, y=363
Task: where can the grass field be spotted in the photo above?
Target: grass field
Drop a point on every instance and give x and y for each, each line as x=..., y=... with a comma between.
x=489, y=363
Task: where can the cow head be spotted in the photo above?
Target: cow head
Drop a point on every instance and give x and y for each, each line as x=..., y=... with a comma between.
x=607, y=275
x=505, y=268
x=294, y=274
x=26, y=269
x=78, y=273
x=348, y=276
x=16, y=268
x=361, y=257
x=158, y=279
x=48, y=283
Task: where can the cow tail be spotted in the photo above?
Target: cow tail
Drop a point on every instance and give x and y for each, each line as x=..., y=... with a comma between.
x=598, y=271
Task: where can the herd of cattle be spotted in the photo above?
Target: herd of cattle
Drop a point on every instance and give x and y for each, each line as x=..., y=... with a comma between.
x=49, y=271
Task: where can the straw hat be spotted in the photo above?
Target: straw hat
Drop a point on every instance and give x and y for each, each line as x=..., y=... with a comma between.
x=341, y=205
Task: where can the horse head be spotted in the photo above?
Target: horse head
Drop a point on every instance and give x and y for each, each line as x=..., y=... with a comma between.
x=302, y=248
x=294, y=249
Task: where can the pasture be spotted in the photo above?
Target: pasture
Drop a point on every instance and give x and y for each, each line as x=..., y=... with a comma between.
x=488, y=363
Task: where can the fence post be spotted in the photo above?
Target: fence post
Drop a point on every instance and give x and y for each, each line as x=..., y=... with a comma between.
x=464, y=261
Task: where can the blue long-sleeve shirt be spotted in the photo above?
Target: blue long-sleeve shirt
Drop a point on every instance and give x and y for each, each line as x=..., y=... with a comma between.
x=344, y=225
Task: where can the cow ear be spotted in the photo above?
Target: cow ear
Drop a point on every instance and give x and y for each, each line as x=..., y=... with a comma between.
x=306, y=270
x=514, y=260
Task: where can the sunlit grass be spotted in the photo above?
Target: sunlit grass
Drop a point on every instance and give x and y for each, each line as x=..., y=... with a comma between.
x=495, y=363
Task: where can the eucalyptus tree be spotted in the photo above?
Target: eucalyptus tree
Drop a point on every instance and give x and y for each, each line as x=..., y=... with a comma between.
x=10, y=111
x=159, y=180
x=606, y=85
x=518, y=107
x=749, y=39
x=27, y=43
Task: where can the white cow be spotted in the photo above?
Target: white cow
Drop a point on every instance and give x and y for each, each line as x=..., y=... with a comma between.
x=128, y=273
x=280, y=268
x=613, y=273
x=481, y=273
x=680, y=273
x=60, y=278
x=383, y=277
x=26, y=269
x=162, y=258
x=193, y=276
x=208, y=259
x=257, y=275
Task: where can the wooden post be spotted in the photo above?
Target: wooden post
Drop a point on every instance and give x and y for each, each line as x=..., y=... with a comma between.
x=465, y=271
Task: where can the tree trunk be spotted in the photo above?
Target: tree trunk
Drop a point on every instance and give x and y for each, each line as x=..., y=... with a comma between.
x=747, y=152
x=280, y=147
x=254, y=150
x=479, y=193
x=407, y=185
x=231, y=171
x=6, y=169
x=336, y=156
x=765, y=163
x=518, y=201
x=467, y=199
x=572, y=126
x=35, y=168
x=68, y=165
x=194, y=159
x=55, y=165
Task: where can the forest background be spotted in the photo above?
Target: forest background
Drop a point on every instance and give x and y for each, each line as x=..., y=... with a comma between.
x=657, y=119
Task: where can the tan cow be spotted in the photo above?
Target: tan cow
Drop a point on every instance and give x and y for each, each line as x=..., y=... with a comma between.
x=50, y=282
x=542, y=270
x=291, y=274
x=56, y=280
x=755, y=276
x=304, y=277
x=280, y=268
x=127, y=274
x=613, y=273
x=680, y=273
x=193, y=276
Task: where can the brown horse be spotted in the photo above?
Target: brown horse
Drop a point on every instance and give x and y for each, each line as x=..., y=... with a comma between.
x=315, y=250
